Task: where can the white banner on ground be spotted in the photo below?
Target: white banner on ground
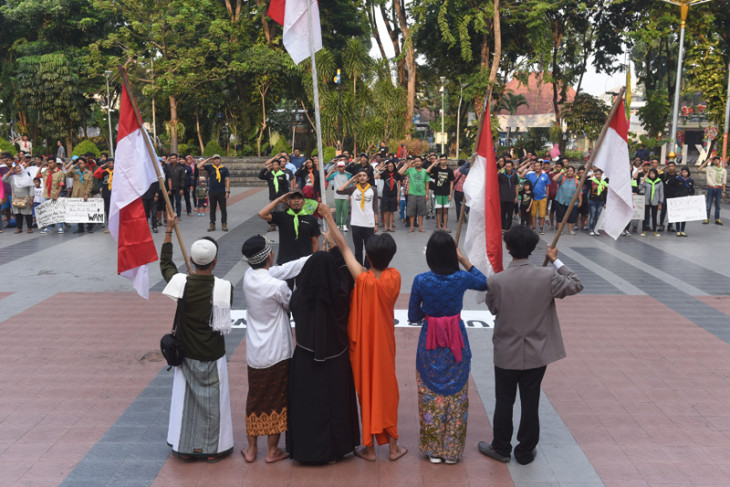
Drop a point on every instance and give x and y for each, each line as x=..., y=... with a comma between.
x=70, y=210
x=50, y=212
x=472, y=319
x=686, y=209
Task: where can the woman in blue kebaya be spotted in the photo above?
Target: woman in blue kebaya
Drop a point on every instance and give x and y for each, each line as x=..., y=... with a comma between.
x=443, y=358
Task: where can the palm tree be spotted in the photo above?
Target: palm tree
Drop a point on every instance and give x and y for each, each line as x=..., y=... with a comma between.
x=511, y=103
x=356, y=61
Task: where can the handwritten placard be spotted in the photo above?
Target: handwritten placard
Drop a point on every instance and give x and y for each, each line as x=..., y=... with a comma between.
x=50, y=212
x=70, y=210
x=639, y=202
x=80, y=211
x=686, y=209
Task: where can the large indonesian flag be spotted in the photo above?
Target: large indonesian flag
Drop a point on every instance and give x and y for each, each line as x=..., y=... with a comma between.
x=133, y=175
x=483, y=241
x=292, y=15
x=613, y=157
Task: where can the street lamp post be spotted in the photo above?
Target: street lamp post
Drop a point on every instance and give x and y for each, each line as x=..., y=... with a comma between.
x=443, y=80
x=684, y=9
x=109, y=113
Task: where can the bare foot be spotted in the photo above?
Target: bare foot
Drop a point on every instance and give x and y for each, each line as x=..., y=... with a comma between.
x=399, y=452
x=365, y=453
x=249, y=455
x=276, y=456
x=421, y=230
x=410, y=231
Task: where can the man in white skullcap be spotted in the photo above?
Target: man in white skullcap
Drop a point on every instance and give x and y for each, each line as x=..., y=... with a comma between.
x=200, y=425
x=269, y=345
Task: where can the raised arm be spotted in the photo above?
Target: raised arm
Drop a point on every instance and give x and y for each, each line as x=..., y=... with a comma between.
x=202, y=163
x=265, y=212
x=352, y=264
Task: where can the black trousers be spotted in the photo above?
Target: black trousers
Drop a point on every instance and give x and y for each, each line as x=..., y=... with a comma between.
x=107, y=196
x=150, y=210
x=360, y=235
x=458, y=200
x=505, y=389
x=508, y=209
x=218, y=199
x=28, y=220
x=186, y=195
x=650, y=212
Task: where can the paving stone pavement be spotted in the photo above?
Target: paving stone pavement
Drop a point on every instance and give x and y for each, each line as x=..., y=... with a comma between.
x=641, y=400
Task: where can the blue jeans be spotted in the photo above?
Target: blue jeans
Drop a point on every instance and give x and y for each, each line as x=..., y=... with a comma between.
x=715, y=193
x=595, y=207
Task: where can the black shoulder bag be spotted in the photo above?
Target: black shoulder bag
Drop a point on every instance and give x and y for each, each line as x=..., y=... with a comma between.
x=171, y=344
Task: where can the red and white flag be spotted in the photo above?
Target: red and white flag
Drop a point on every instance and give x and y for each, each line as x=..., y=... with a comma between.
x=613, y=157
x=483, y=240
x=292, y=15
x=134, y=173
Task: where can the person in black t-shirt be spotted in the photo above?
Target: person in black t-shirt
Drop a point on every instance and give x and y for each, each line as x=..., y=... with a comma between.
x=298, y=233
x=443, y=187
x=391, y=192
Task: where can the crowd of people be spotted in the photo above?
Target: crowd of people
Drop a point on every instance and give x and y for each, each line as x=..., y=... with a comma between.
x=192, y=186
x=342, y=354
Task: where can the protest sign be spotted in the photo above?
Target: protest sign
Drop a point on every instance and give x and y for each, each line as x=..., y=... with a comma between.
x=50, y=212
x=70, y=210
x=639, y=202
x=80, y=211
x=686, y=209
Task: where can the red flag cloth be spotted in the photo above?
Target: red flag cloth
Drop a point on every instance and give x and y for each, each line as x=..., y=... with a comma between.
x=134, y=173
x=483, y=241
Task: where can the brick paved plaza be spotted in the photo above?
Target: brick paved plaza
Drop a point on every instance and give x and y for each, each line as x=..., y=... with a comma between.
x=643, y=398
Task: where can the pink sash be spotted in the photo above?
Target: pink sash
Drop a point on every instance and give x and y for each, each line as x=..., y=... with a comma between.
x=444, y=331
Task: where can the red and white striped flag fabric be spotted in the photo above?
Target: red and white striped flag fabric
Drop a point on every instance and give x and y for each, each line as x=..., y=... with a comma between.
x=613, y=157
x=483, y=240
x=133, y=175
x=292, y=15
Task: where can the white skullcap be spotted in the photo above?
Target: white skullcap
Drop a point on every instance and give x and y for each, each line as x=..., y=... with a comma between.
x=203, y=252
x=59, y=160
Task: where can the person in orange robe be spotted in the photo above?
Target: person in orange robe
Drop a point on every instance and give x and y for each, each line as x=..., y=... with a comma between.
x=372, y=339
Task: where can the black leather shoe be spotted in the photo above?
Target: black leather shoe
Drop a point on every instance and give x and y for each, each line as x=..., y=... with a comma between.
x=486, y=449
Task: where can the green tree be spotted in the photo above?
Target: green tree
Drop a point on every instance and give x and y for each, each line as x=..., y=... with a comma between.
x=586, y=114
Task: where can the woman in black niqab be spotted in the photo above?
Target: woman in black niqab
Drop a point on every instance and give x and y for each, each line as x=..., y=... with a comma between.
x=323, y=419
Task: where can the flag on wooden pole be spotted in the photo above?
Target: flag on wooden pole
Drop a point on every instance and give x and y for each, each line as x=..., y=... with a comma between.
x=134, y=173
x=483, y=241
x=613, y=157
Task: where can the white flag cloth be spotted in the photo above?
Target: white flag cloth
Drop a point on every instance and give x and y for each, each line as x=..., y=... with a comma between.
x=613, y=157
x=292, y=15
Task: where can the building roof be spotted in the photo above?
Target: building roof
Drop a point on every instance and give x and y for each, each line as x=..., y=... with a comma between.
x=537, y=92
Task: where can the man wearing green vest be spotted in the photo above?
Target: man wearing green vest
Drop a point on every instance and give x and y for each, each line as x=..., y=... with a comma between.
x=596, y=199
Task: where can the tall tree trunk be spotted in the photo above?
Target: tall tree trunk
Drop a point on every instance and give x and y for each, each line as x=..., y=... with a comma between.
x=197, y=128
x=497, y=44
x=557, y=37
x=410, y=66
x=370, y=10
x=266, y=26
x=399, y=61
x=262, y=92
x=173, y=124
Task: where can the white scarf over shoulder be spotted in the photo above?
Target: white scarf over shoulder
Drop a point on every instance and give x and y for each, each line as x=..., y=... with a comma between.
x=220, y=317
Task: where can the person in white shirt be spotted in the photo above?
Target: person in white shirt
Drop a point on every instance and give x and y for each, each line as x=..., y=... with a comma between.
x=269, y=345
x=364, y=212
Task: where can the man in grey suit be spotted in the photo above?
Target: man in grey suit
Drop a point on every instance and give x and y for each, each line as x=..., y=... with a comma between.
x=526, y=338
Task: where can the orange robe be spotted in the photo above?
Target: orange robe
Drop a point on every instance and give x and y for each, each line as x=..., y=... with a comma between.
x=372, y=353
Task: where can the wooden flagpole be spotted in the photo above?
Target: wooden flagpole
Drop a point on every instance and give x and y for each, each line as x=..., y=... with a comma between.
x=479, y=137
x=153, y=158
x=588, y=166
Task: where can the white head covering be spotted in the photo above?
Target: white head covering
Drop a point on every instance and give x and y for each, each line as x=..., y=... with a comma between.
x=203, y=252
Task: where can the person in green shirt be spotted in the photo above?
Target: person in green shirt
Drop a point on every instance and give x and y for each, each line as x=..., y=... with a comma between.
x=417, y=190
